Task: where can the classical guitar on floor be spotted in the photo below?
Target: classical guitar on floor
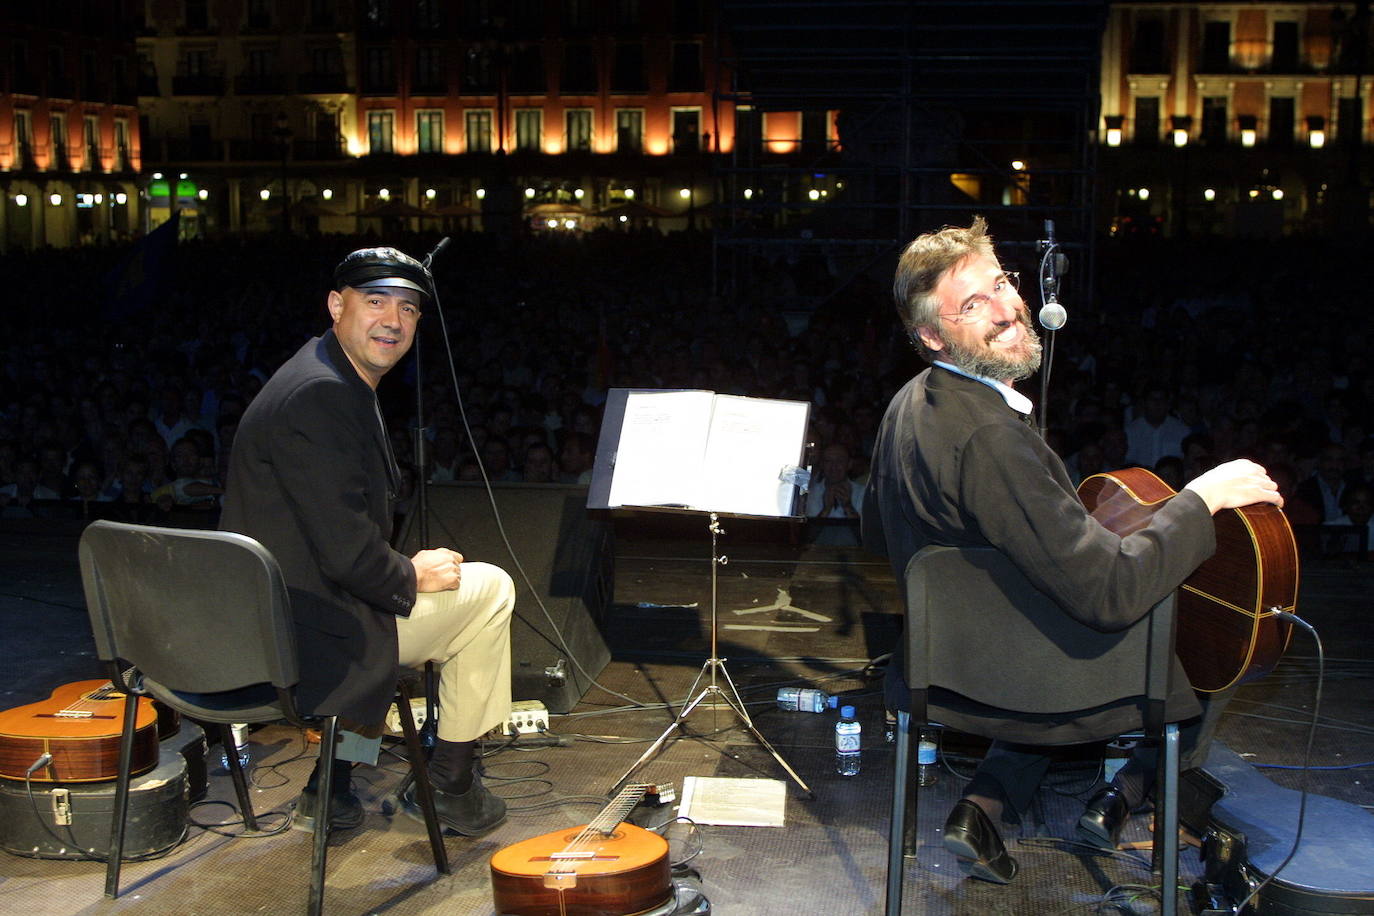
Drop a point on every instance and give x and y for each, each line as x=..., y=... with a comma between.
x=1227, y=631
x=79, y=724
x=605, y=868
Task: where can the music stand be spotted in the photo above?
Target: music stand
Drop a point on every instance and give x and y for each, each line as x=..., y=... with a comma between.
x=698, y=452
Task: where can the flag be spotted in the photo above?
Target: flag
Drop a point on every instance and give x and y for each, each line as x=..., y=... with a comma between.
x=136, y=282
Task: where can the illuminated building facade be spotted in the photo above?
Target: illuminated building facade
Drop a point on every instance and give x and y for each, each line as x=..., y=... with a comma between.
x=69, y=145
x=1235, y=118
x=303, y=114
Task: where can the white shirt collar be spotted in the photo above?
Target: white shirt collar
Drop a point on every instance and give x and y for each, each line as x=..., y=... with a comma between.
x=1015, y=399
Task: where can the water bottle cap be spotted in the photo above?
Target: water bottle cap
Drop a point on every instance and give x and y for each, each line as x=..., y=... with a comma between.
x=846, y=712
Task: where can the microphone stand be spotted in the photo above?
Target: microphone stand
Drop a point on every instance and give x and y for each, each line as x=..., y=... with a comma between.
x=1052, y=315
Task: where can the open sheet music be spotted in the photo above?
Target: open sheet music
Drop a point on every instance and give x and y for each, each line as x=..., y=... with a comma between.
x=701, y=450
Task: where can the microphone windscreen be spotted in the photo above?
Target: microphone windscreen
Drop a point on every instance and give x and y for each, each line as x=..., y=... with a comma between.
x=1053, y=316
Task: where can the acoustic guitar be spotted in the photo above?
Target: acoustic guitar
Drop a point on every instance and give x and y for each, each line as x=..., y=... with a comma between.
x=80, y=725
x=1227, y=632
x=604, y=868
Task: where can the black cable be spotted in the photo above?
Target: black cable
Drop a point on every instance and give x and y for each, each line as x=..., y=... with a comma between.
x=1306, y=757
x=496, y=513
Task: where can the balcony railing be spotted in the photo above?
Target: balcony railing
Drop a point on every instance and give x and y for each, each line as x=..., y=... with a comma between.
x=320, y=83
x=260, y=84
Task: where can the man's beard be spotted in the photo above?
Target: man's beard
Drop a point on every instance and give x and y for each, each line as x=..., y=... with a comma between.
x=1001, y=365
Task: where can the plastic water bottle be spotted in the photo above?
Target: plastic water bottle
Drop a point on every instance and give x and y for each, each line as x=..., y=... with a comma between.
x=927, y=751
x=847, y=743
x=805, y=699
x=240, y=732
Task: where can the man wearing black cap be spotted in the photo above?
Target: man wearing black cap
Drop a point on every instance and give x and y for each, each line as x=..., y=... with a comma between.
x=312, y=477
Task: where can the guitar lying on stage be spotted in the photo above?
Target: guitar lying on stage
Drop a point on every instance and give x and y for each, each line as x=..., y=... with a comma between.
x=1227, y=633
x=79, y=724
x=606, y=867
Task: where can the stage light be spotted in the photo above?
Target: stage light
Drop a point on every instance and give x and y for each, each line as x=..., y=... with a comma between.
x=100, y=198
x=157, y=176
x=1247, y=136
x=551, y=223
x=121, y=198
x=1180, y=137
x=1316, y=139
x=624, y=218
x=1143, y=193
x=1113, y=136
x=529, y=194
x=569, y=224
x=203, y=194
x=748, y=193
x=1254, y=193
x=1018, y=165
x=1277, y=193
x=183, y=176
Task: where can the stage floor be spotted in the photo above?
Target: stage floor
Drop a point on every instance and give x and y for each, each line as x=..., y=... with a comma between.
x=827, y=612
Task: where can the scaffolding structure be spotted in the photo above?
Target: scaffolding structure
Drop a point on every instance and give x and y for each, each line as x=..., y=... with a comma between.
x=913, y=114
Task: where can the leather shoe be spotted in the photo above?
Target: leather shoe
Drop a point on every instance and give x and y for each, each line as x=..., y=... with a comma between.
x=1104, y=817
x=345, y=811
x=473, y=813
x=974, y=839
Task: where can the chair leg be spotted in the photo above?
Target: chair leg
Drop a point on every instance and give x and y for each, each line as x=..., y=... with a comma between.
x=419, y=773
x=328, y=742
x=121, y=799
x=1165, y=853
x=896, y=861
x=239, y=778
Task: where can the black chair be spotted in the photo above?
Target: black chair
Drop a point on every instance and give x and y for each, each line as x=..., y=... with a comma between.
x=203, y=618
x=971, y=614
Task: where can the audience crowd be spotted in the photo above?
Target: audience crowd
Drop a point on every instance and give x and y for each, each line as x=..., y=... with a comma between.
x=121, y=400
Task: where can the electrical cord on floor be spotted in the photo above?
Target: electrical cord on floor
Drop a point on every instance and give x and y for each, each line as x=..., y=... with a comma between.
x=218, y=830
x=87, y=855
x=693, y=832
x=1306, y=758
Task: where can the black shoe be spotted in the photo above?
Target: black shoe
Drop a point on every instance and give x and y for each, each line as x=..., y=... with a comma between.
x=345, y=811
x=974, y=839
x=473, y=813
x=1104, y=817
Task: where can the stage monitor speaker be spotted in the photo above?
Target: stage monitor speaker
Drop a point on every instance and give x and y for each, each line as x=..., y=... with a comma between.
x=566, y=552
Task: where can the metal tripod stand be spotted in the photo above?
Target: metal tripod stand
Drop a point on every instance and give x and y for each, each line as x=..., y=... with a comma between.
x=715, y=664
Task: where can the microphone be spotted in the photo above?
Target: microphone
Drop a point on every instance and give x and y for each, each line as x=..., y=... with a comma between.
x=1052, y=315
x=429, y=258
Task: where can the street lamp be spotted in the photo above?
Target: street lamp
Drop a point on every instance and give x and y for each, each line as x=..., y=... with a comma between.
x=283, y=135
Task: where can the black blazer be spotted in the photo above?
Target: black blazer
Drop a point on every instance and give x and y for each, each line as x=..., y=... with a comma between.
x=312, y=477
x=955, y=465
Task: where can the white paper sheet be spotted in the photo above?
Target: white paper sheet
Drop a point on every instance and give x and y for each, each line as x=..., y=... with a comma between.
x=734, y=802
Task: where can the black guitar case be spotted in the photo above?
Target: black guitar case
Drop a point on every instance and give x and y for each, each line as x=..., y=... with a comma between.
x=1249, y=831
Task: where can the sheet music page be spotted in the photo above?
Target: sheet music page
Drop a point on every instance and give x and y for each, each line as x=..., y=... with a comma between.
x=658, y=461
x=734, y=801
x=751, y=441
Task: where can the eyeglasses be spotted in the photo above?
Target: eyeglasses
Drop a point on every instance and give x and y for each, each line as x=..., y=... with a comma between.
x=976, y=306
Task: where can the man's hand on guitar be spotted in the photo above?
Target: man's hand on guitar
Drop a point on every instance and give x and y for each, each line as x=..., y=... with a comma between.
x=1235, y=484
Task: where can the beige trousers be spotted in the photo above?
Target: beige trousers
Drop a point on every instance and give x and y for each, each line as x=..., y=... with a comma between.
x=467, y=633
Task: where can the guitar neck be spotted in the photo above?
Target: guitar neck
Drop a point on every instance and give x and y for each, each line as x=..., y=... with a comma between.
x=619, y=808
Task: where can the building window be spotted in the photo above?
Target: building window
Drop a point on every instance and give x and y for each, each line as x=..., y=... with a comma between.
x=1349, y=121
x=23, y=140
x=579, y=128
x=1216, y=47
x=579, y=70
x=628, y=72
x=686, y=130
x=1147, y=120
x=478, y=75
x=91, y=139
x=529, y=129
x=429, y=14
x=91, y=83
x=381, y=131
x=260, y=14
x=527, y=70
x=379, y=74
x=1214, y=119
x=748, y=129
x=326, y=61
x=685, y=75
x=814, y=131
x=262, y=62
x=429, y=131
x=1282, y=120
x=197, y=14
x=626, y=14
x=477, y=127
x=429, y=71
x=196, y=62
x=629, y=130
x=322, y=14
x=1285, y=58
x=121, y=135
x=58, y=125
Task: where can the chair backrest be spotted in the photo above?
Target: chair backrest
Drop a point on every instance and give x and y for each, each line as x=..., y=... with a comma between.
x=197, y=612
x=976, y=626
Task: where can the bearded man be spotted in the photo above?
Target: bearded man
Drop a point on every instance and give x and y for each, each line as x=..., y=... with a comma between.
x=957, y=463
